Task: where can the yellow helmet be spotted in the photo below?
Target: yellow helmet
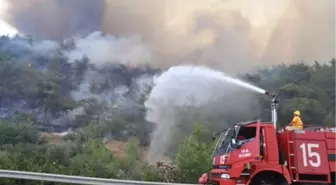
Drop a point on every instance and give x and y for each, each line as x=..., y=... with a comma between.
x=297, y=113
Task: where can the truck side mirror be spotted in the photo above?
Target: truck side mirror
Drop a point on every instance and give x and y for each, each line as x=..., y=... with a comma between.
x=233, y=143
x=213, y=138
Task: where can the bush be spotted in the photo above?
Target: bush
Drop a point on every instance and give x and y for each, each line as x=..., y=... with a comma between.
x=194, y=157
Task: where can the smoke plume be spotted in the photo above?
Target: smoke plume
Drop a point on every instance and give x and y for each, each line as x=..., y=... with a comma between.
x=102, y=49
x=215, y=33
x=55, y=19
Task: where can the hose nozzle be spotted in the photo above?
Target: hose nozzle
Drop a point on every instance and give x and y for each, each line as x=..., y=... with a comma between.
x=272, y=95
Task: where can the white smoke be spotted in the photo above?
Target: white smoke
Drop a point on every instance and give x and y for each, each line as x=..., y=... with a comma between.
x=45, y=46
x=68, y=116
x=22, y=44
x=101, y=49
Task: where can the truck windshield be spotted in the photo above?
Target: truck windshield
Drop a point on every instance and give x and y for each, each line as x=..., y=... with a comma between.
x=223, y=145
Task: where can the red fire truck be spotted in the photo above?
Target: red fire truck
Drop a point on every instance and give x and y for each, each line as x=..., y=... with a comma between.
x=256, y=153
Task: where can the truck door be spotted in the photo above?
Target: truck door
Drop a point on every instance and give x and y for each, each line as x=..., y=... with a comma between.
x=249, y=144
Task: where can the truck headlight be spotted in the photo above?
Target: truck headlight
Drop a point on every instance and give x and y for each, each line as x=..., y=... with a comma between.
x=225, y=176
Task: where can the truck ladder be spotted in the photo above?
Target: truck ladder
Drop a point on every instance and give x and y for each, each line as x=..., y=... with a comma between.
x=292, y=161
x=291, y=157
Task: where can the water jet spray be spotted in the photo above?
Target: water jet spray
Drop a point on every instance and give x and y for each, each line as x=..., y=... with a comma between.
x=204, y=91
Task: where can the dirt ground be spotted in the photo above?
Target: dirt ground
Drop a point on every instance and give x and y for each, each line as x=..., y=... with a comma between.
x=118, y=148
x=53, y=138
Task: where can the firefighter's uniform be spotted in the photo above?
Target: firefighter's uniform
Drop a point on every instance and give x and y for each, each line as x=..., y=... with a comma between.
x=296, y=123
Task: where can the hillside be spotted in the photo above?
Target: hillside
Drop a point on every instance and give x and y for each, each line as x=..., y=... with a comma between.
x=45, y=91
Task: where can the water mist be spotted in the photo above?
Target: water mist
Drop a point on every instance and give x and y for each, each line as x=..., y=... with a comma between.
x=190, y=87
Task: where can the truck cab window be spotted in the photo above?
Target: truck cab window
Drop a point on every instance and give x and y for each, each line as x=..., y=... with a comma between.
x=262, y=142
x=246, y=134
x=223, y=145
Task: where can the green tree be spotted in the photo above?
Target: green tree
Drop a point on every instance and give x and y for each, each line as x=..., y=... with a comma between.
x=15, y=133
x=194, y=157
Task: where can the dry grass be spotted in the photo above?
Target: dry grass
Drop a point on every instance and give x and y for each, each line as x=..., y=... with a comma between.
x=52, y=138
x=118, y=148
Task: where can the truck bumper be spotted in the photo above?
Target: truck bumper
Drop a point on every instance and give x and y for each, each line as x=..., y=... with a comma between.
x=227, y=182
x=223, y=182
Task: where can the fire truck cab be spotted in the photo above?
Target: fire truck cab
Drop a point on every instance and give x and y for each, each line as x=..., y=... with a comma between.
x=256, y=153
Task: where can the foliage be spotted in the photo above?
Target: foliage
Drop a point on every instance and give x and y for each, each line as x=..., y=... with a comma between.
x=90, y=158
x=16, y=133
x=310, y=89
x=194, y=156
x=36, y=91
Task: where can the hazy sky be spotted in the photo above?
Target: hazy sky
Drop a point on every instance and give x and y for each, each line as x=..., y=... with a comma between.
x=5, y=29
x=215, y=33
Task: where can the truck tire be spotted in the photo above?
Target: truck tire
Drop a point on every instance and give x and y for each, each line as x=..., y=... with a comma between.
x=263, y=180
x=333, y=179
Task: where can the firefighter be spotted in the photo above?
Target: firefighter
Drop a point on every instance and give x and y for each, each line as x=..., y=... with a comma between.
x=296, y=123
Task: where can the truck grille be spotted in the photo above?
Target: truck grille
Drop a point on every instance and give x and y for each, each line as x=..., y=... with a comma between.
x=224, y=166
x=215, y=175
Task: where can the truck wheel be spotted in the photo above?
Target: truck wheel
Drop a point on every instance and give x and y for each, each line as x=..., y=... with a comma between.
x=333, y=179
x=270, y=181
